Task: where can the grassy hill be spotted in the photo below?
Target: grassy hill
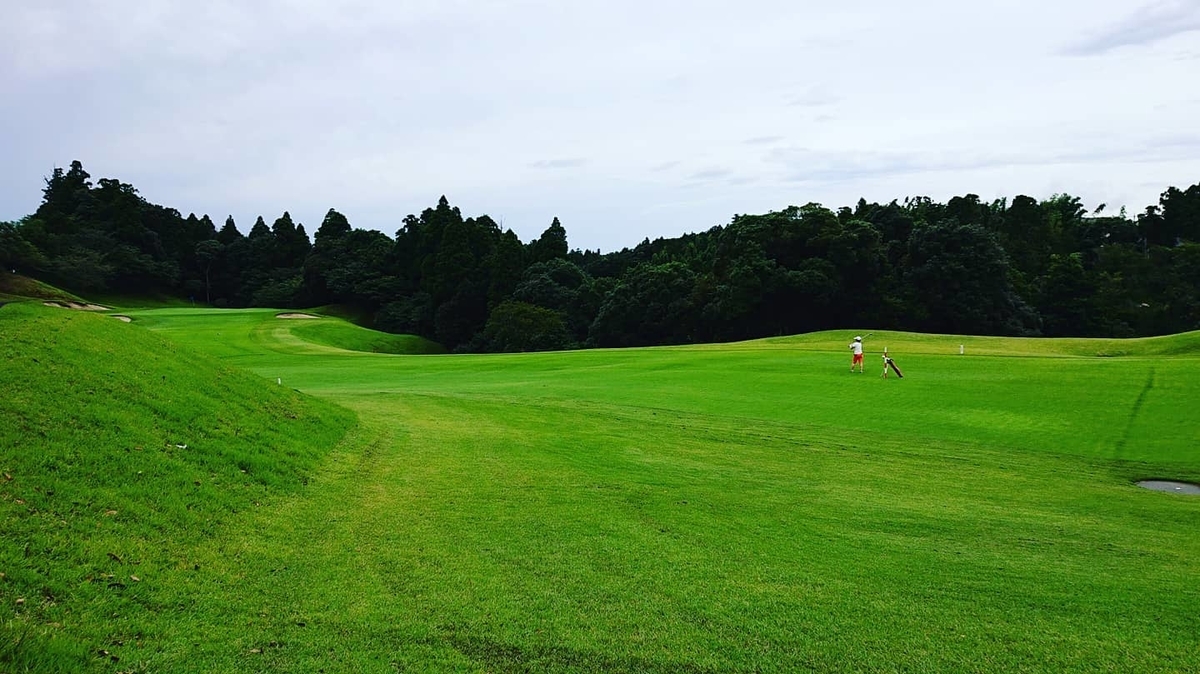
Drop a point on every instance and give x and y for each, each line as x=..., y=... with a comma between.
x=14, y=287
x=344, y=335
x=120, y=452
x=905, y=343
x=718, y=508
x=242, y=332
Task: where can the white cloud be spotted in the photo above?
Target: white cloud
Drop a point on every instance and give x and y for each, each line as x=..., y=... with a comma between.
x=624, y=119
x=1147, y=25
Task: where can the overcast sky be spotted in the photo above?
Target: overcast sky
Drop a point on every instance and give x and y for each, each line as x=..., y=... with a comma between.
x=625, y=119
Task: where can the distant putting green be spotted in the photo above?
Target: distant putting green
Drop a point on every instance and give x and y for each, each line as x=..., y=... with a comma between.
x=719, y=508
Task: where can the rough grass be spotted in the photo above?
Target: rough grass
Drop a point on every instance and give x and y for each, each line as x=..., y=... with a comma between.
x=15, y=287
x=120, y=452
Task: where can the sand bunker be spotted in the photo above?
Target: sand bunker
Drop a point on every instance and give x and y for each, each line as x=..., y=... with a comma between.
x=295, y=316
x=75, y=305
x=1171, y=486
x=123, y=318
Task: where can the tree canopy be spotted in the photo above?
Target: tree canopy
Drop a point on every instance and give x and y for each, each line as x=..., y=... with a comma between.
x=1018, y=266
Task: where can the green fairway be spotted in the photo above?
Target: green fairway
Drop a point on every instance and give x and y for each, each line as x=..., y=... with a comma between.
x=719, y=508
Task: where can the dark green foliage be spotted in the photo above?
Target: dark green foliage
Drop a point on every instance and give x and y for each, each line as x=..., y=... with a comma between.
x=208, y=252
x=458, y=319
x=552, y=244
x=351, y=267
x=291, y=242
x=229, y=232
x=652, y=304
x=271, y=260
x=519, y=326
x=412, y=314
x=1012, y=267
x=85, y=267
x=505, y=264
x=1066, y=297
x=958, y=277
x=454, y=263
x=1183, y=291
x=334, y=226
x=15, y=252
x=279, y=290
x=564, y=288
x=1180, y=215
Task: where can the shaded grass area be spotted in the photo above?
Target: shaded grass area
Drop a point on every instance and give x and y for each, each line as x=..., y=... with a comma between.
x=16, y=287
x=147, y=300
x=119, y=452
x=356, y=315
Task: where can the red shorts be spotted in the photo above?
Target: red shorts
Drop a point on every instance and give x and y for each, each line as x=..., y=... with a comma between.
x=857, y=358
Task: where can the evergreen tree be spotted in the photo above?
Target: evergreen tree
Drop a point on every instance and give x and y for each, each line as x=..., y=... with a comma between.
x=334, y=226
x=1180, y=215
x=16, y=253
x=958, y=279
x=291, y=243
x=552, y=244
x=505, y=266
x=229, y=232
x=207, y=254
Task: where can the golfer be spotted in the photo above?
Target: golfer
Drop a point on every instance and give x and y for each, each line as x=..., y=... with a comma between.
x=856, y=348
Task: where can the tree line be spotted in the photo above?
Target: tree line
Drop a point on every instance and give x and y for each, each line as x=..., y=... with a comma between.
x=1019, y=267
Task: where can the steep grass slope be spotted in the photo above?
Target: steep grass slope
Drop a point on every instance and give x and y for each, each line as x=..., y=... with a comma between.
x=341, y=334
x=18, y=287
x=248, y=332
x=119, y=451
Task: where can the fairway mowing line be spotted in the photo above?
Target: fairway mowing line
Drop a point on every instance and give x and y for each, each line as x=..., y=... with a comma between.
x=733, y=426
x=293, y=553
x=1133, y=413
x=888, y=521
x=773, y=436
x=766, y=431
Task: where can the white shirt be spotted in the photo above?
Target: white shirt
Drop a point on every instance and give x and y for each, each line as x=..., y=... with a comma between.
x=856, y=347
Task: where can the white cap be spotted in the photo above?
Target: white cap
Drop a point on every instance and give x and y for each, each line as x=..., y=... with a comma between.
x=858, y=339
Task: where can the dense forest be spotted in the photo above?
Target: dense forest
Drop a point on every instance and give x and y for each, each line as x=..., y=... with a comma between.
x=1019, y=267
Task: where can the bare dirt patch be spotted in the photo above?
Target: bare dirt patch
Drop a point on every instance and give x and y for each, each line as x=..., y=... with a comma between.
x=75, y=305
x=123, y=318
x=295, y=316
